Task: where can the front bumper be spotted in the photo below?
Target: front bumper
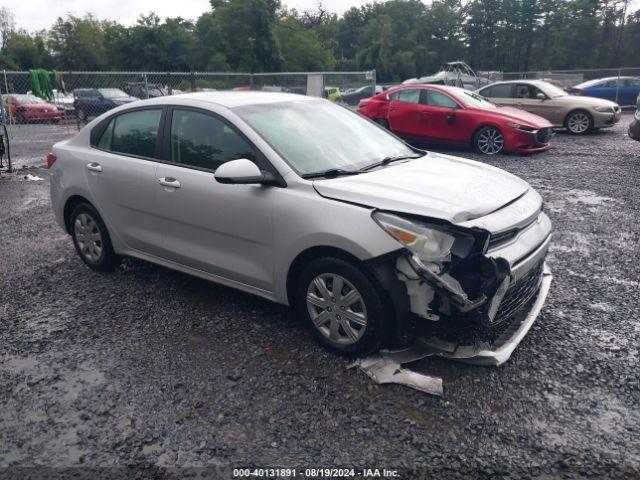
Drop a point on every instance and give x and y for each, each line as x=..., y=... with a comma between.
x=606, y=119
x=522, y=141
x=500, y=351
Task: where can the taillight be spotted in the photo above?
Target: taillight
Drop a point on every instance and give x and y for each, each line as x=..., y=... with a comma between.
x=51, y=159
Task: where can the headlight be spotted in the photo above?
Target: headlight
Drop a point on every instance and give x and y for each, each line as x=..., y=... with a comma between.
x=430, y=242
x=519, y=126
x=603, y=109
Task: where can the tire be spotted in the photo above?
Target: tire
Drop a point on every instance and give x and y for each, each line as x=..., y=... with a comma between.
x=579, y=122
x=382, y=122
x=357, y=328
x=488, y=141
x=91, y=238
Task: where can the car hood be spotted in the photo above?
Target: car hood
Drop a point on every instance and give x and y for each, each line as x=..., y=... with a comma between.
x=436, y=186
x=521, y=116
x=579, y=100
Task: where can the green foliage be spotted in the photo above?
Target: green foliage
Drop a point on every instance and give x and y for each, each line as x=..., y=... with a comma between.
x=398, y=38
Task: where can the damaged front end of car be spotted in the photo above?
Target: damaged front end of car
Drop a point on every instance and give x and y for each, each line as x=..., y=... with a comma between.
x=469, y=292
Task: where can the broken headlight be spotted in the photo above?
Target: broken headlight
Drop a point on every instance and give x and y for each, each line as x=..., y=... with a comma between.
x=431, y=242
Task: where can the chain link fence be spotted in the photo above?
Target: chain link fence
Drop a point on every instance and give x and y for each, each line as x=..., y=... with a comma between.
x=34, y=124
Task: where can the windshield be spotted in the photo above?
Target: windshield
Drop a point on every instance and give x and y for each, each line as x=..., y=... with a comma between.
x=552, y=91
x=315, y=136
x=112, y=93
x=473, y=100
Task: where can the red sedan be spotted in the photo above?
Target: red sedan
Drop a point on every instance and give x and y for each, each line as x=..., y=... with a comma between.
x=30, y=109
x=451, y=115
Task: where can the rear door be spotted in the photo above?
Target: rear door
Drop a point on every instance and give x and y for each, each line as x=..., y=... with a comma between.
x=405, y=113
x=224, y=230
x=120, y=170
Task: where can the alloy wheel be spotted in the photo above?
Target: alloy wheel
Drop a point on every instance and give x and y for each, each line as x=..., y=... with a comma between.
x=490, y=141
x=88, y=237
x=337, y=309
x=578, y=122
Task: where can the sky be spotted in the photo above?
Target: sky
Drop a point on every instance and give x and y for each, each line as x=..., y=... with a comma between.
x=35, y=15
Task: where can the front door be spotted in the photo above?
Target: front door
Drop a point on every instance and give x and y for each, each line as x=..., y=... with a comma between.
x=223, y=230
x=527, y=99
x=443, y=120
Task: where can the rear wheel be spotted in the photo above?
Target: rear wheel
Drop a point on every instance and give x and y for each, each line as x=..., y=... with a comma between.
x=488, y=141
x=342, y=308
x=91, y=238
x=579, y=122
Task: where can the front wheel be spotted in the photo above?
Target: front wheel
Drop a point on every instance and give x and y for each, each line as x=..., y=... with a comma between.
x=82, y=115
x=488, y=141
x=579, y=122
x=342, y=307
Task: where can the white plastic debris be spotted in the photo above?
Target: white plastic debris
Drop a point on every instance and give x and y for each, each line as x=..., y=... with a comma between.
x=386, y=367
x=32, y=178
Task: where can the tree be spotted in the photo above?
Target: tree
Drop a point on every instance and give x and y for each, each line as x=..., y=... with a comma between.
x=247, y=33
x=77, y=43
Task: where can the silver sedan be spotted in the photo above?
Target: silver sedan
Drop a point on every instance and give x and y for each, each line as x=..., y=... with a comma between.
x=305, y=203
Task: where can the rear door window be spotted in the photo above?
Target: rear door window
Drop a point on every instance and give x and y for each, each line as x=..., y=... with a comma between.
x=498, y=91
x=411, y=95
x=135, y=133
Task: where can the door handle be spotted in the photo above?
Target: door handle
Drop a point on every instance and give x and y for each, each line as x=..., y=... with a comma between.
x=169, y=182
x=94, y=167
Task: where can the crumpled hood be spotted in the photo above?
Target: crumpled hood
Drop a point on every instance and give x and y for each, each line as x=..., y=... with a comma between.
x=436, y=186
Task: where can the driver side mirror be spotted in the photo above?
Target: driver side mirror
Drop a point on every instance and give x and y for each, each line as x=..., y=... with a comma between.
x=541, y=96
x=242, y=172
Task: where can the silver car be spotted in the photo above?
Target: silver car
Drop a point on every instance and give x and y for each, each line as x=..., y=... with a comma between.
x=373, y=243
x=579, y=115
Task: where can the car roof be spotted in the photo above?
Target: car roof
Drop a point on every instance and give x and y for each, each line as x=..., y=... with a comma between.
x=588, y=83
x=231, y=99
x=532, y=81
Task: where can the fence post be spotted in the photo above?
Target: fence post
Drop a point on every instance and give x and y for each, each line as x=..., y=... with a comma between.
x=193, y=81
x=618, y=84
x=146, y=86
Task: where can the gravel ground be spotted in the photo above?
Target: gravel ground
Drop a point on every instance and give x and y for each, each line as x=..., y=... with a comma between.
x=149, y=367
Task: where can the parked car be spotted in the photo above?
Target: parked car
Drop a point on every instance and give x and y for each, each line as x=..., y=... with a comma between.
x=62, y=101
x=622, y=90
x=145, y=90
x=29, y=109
x=332, y=94
x=90, y=102
x=308, y=204
x=353, y=97
x=439, y=114
x=634, y=127
x=579, y=115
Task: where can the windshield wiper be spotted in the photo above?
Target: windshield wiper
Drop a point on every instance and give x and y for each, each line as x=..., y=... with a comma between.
x=331, y=173
x=388, y=160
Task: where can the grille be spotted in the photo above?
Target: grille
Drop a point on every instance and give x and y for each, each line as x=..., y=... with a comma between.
x=543, y=135
x=519, y=295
